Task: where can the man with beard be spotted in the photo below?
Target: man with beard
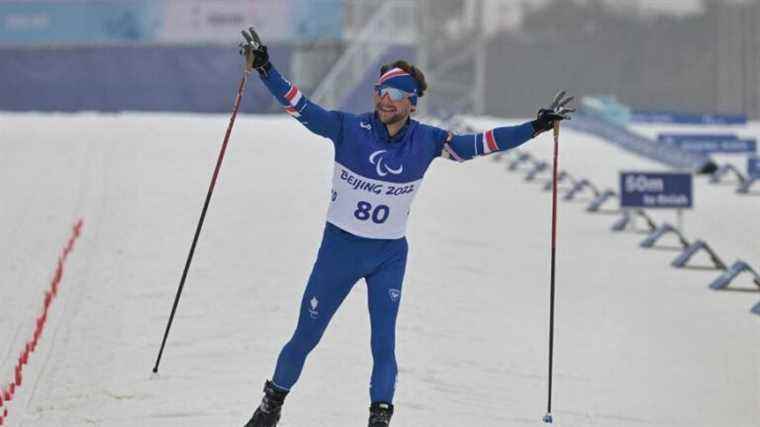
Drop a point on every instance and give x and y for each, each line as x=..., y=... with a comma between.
x=380, y=161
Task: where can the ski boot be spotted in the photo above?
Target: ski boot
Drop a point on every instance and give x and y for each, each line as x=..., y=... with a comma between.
x=380, y=414
x=268, y=413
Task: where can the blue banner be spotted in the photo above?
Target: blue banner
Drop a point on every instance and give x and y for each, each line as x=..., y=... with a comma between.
x=656, y=190
x=138, y=78
x=687, y=118
x=76, y=22
x=588, y=121
x=753, y=167
x=707, y=144
x=678, y=137
x=186, y=22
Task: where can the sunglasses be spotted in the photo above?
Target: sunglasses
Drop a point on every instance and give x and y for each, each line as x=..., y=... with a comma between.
x=393, y=93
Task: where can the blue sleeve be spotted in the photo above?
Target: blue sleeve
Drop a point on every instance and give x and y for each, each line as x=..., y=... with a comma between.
x=466, y=147
x=315, y=118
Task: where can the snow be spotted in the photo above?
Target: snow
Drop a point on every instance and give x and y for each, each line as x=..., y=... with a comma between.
x=637, y=342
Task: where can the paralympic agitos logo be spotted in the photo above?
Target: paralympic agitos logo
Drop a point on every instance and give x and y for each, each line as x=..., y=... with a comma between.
x=381, y=168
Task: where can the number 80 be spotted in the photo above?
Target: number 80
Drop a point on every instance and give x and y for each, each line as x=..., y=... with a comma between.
x=364, y=211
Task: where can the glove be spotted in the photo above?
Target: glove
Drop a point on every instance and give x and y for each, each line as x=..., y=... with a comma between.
x=255, y=53
x=555, y=112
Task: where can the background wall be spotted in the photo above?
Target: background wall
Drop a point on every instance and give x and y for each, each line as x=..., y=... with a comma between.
x=67, y=55
x=706, y=62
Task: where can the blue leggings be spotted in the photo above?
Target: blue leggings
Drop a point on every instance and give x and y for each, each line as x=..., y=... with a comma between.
x=343, y=259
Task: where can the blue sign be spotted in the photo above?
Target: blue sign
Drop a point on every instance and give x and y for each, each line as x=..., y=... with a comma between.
x=677, y=137
x=656, y=190
x=753, y=167
x=688, y=118
x=707, y=144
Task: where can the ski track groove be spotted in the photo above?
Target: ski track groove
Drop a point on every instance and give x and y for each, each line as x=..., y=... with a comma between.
x=75, y=284
x=16, y=302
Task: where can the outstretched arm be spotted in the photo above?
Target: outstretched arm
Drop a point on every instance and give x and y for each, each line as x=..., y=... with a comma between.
x=466, y=147
x=469, y=146
x=314, y=117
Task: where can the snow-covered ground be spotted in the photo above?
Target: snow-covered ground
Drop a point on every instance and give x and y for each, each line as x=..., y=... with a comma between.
x=637, y=342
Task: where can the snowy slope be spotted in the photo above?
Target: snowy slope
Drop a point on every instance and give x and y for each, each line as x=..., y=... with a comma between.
x=638, y=342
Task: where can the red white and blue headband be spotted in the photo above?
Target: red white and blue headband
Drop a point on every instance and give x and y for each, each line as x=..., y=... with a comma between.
x=400, y=79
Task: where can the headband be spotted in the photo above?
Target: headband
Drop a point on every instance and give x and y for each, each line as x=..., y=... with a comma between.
x=400, y=79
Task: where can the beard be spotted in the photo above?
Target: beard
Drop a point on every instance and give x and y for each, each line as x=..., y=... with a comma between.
x=391, y=118
x=395, y=118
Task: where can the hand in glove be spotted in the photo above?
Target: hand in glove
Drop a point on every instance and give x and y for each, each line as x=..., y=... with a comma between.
x=555, y=112
x=255, y=53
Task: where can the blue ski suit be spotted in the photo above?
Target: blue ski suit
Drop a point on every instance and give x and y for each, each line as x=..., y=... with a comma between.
x=376, y=177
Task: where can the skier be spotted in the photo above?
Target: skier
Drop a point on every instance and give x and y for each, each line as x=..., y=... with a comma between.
x=380, y=161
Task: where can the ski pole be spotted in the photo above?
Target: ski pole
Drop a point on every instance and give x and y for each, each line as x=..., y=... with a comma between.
x=235, y=109
x=548, y=416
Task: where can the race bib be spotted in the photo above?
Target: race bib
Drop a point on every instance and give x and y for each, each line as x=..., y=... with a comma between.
x=370, y=208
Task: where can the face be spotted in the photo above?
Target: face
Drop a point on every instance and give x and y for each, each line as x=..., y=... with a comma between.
x=391, y=112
